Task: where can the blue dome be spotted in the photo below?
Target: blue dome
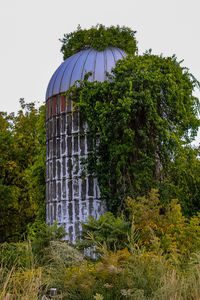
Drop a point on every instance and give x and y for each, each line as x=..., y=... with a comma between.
x=76, y=66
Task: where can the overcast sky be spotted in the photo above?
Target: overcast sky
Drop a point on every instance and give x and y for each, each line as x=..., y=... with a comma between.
x=30, y=32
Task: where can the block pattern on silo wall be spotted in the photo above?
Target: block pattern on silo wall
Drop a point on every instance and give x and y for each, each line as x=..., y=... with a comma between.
x=71, y=198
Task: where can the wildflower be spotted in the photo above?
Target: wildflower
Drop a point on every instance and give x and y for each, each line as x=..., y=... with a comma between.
x=98, y=297
x=125, y=293
x=111, y=268
x=107, y=285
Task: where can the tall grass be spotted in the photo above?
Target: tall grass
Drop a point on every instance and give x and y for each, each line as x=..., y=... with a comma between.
x=25, y=277
x=19, y=275
x=159, y=260
x=119, y=275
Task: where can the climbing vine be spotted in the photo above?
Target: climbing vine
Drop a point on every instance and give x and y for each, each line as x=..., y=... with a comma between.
x=143, y=115
x=99, y=38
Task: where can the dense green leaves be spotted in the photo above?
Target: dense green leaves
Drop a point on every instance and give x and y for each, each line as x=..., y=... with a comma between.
x=182, y=181
x=141, y=121
x=99, y=38
x=22, y=176
x=114, y=231
x=142, y=116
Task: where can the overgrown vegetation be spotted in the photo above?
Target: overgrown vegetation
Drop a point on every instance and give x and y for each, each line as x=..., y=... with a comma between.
x=99, y=38
x=153, y=253
x=143, y=118
x=22, y=176
x=142, y=122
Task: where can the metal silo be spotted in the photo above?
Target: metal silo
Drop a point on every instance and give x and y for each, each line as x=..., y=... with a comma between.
x=69, y=197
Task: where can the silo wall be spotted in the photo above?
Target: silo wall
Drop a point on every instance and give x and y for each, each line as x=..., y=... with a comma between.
x=70, y=196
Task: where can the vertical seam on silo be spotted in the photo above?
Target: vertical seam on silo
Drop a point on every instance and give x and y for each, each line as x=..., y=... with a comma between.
x=93, y=75
x=121, y=52
x=55, y=79
x=70, y=60
x=105, y=64
x=111, y=49
x=48, y=95
x=85, y=63
x=80, y=54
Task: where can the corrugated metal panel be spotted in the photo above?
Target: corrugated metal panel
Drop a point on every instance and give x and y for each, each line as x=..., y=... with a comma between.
x=75, y=67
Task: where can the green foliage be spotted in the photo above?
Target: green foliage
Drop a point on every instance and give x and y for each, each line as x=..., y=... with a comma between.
x=22, y=177
x=141, y=117
x=56, y=259
x=164, y=228
x=36, y=172
x=9, y=192
x=112, y=230
x=119, y=275
x=16, y=254
x=22, y=284
x=163, y=262
x=99, y=38
x=42, y=234
x=160, y=265
x=24, y=253
x=182, y=180
x=149, y=225
x=28, y=269
x=141, y=124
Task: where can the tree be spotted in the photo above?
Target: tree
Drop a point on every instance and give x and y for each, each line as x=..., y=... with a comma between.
x=182, y=181
x=9, y=170
x=36, y=172
x=142, y=117
x=22, y=144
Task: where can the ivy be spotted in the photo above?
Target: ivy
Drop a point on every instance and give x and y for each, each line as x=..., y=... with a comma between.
x=144, y=114
x=99, y=38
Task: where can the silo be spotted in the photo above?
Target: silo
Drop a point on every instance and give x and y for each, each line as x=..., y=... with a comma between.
x=71, y=198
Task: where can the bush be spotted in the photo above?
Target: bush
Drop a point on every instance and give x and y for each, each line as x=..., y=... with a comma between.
x=42, y=234
x=114, y=231
x=16, y=255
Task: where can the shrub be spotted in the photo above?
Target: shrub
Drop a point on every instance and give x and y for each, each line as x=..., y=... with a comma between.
x=42, y=234
x=114, y=231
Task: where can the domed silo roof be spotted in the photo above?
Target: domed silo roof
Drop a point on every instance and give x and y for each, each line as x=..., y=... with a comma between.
x=76, y=66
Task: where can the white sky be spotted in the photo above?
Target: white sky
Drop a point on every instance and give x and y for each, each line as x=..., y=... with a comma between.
x=30, y=29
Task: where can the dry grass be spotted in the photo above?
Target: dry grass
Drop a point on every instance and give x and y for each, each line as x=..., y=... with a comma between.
x=133, y=276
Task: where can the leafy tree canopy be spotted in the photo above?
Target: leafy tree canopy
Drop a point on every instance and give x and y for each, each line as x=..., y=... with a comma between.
x=22, y=176
x=142, y=116
x=99, y=38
